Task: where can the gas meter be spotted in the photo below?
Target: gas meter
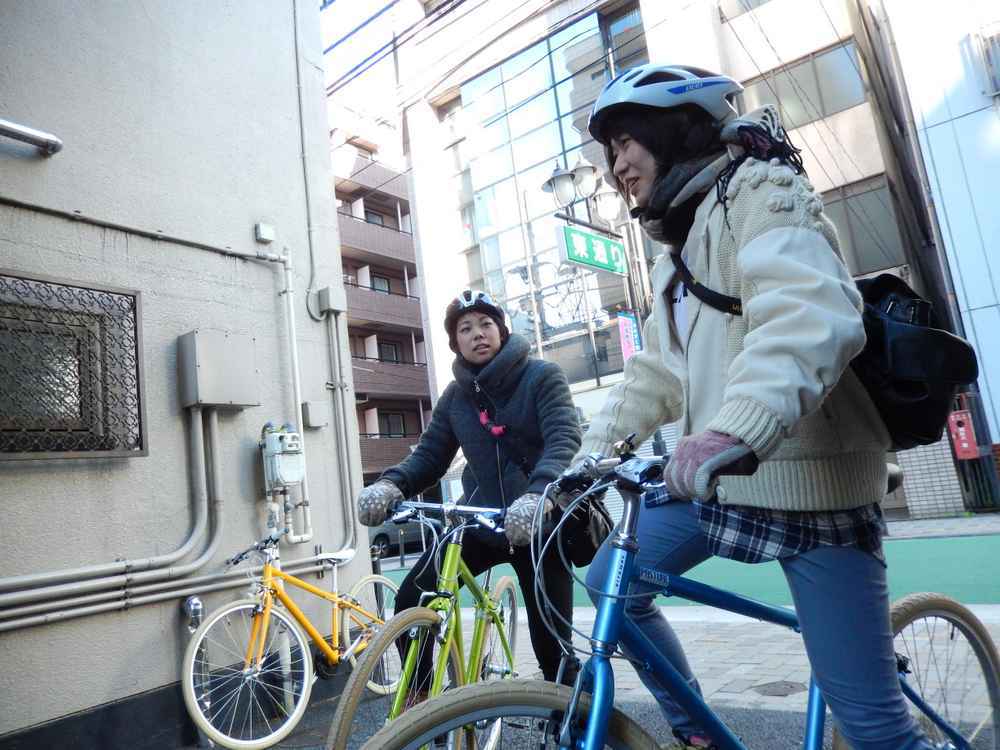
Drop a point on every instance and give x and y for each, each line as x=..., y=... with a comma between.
x=284, y=464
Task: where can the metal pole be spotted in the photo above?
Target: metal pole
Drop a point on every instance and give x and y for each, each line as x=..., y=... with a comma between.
x=590, y=329
x=529, y=257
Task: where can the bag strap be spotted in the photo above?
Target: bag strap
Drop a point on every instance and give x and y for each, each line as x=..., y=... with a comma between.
x=710, y=297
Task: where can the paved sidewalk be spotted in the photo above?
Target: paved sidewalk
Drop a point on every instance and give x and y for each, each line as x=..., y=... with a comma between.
x=971, y=525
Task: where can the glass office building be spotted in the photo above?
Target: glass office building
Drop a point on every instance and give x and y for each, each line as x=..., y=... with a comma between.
x=510, y=127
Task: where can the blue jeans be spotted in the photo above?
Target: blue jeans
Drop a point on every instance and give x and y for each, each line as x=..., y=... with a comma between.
x=842, y=601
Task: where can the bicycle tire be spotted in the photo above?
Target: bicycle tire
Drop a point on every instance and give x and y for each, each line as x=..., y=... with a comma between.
x=505, y=701
x=916, y=620
x=358, y=594
x=344, y=730
x=223, y=637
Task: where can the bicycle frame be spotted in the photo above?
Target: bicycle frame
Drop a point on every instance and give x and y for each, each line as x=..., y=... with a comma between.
x=446, y=604
x=612, y=627
x=272, y=578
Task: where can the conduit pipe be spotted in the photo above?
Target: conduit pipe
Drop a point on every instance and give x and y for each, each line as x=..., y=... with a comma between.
x=204, y=495
x=36, y=580
x=340, y=416
x=69, y=614
x=47, y=143
x=200, y=584
x=293, y=347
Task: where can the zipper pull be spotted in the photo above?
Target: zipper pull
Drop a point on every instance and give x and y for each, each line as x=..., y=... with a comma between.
x=475, y=384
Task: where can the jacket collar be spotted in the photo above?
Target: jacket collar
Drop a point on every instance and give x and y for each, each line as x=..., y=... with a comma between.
x=501, y=374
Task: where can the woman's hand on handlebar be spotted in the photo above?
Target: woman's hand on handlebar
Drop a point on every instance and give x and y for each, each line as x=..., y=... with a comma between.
x=700, y=459
x=376, y=500
x=521, y=514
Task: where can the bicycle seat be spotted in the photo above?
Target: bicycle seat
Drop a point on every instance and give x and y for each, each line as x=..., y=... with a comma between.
x=895, y=478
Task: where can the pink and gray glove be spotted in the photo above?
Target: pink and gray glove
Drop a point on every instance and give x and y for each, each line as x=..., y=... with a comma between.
x=375, y=500
x=700, y=458
x=520, y=514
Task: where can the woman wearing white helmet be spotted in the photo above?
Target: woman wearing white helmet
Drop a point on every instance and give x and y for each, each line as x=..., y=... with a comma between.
x=783, y=454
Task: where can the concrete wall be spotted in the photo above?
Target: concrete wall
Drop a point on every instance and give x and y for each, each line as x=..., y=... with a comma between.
x=959, y=130
x=178, y=118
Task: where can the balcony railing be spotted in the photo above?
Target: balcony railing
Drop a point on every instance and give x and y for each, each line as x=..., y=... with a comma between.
x=373, y=223
x=347, y=282
x=379, y=377
x=375, y=238
x=366, y=305
x=379, y=452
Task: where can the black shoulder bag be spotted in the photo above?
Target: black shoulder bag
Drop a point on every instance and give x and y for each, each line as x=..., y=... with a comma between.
x=589, y=524
x=910, y=368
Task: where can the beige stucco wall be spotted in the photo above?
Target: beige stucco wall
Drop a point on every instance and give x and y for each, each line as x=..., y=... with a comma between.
x=179, y=118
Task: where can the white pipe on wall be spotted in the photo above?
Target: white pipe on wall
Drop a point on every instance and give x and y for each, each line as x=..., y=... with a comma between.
x=293, y=347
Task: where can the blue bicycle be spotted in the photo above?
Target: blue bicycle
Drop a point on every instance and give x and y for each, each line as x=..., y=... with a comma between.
x=948, y=665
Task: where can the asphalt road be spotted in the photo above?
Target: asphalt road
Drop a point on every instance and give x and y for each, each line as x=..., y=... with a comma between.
x=760, y=730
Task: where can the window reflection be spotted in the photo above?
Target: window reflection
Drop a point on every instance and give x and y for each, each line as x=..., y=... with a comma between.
x=866, y=226
x=539, y=145
x=819, y=86
x=519, y=120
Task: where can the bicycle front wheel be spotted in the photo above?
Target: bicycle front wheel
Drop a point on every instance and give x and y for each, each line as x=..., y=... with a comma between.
x=238, y=700
x=356, y=720
x=529, y=713
x=953, y=667
x=494, y=663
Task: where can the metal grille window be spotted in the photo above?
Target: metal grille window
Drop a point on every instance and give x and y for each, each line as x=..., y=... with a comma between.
x=70, y=375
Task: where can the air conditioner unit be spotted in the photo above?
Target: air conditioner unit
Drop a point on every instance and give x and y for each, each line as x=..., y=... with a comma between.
x=350, y=279
x=988, y=47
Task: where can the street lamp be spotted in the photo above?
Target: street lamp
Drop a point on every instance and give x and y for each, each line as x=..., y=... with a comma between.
x=561, y=185
x=568, y=185
x=607, y=202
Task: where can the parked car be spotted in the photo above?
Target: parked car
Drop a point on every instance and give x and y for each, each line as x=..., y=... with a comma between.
x=385, y=538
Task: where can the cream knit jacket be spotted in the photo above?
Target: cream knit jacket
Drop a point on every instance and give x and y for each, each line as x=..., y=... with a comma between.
x=777, y=377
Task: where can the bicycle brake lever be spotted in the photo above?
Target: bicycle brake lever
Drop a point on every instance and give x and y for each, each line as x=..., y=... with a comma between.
x=487, y=522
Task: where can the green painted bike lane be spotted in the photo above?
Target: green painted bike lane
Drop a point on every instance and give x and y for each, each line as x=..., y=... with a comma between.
x=965, y=568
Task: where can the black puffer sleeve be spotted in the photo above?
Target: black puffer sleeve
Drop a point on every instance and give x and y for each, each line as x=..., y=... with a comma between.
x=559, y=426
x=434, y=452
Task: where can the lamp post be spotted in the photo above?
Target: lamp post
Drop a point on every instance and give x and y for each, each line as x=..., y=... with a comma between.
x=566, y=186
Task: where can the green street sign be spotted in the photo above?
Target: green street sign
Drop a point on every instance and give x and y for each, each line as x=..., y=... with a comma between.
x=591, y=250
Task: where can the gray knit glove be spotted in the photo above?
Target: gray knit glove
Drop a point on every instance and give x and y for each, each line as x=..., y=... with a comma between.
x=520, y=514
x=375, y=500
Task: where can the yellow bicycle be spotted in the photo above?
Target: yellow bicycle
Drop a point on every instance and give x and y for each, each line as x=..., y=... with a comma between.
x=248, y=670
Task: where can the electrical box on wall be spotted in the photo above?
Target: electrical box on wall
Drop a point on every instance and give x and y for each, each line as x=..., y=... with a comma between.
x=217, y=368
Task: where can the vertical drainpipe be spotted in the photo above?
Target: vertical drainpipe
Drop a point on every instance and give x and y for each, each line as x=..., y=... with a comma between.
x=288, y=292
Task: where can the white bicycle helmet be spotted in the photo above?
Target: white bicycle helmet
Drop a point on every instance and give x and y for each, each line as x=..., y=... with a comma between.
x=664, y=87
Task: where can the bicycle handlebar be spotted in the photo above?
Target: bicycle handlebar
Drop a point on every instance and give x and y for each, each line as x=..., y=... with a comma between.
x=486, y=517
x=271, y=540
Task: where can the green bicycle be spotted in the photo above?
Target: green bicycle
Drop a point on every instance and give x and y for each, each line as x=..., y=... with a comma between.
x=421, y=649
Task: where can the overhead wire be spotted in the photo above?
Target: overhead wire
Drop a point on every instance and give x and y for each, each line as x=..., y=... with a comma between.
x=782, y=67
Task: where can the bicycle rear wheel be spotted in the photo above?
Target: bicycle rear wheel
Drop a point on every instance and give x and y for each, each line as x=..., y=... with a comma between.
x=953, y=667
x=377, y=594
x=529, y=713
x=241, y=706
x=357, y=719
